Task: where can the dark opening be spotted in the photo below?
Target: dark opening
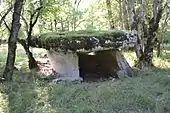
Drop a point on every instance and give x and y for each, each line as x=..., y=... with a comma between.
x=102, y=64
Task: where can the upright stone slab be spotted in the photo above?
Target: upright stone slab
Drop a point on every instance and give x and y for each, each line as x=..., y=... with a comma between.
x=66, y=65
x=124, y=68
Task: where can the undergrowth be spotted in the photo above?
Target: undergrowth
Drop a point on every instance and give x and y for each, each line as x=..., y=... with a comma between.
x=145, y=92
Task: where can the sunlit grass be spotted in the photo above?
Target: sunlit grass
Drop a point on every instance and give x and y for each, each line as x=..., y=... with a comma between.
x=3, y=100
x=146, y=92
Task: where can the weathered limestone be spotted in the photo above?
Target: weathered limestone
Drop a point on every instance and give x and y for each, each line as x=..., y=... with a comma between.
x=87, y=54
x=66, y=65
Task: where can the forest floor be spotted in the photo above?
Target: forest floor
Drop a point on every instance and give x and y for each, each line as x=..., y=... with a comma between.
x=147, y=91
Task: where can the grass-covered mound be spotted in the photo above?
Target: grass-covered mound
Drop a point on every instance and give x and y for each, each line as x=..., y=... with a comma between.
x=80, y=40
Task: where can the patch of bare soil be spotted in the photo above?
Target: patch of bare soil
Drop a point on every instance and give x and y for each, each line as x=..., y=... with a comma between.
x=45, y=68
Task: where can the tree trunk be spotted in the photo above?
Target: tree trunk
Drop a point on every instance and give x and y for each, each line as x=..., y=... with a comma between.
x=159, y=49
x=51, y=24
x=125, y=15
x=134, y=28
x=142, y=27
x=146, y=58
x=55, y=24
x=120, y=13
x=26, y=43
x=8, y=72
x=32, y=62
x=62, y=24
x=162, y=31
x=110, y=17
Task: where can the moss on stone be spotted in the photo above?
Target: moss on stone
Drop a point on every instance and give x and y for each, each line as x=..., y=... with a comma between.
x=83, y=39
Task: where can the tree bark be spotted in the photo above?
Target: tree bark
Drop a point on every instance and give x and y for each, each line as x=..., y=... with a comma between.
x=32, y=62
x=125, y=15
x=146, y=58
x=120, y=13
x=159, y=49
x=51, y=24
x=12, y=41
x=162, y=30
x=26, y=43
x=134, y=28
x=110, y=17
x=55, y=24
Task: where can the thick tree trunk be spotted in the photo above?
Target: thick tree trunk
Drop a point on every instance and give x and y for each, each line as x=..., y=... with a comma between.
x=146, y=58
x=8, y=72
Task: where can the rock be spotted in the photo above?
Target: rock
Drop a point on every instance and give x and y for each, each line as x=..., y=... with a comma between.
x=66, y=79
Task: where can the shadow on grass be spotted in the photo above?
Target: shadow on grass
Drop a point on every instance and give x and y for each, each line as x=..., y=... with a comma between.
x=22, y=97
x=165, y=53
x=147, y=92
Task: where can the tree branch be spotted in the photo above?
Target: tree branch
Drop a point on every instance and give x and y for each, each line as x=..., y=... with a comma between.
x=32, y=23
x=4, y=16
x=37, y=16
x=78, y=3
x=6, y=24
x=36, y=10
x=26, y=23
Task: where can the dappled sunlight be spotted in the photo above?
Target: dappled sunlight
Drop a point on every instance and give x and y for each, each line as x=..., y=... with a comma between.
x=78, y=56
x=3, y=102
x=141, y=93
x=130, y=57
x=46, y=68
x=42, y=101
x=161, y=63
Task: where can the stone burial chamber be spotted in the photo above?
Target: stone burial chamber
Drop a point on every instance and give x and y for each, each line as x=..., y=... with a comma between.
x=86, y=55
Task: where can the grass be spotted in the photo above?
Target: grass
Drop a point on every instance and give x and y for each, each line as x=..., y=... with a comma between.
x=83, y=39
x=146, y=92
x=82, y=34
